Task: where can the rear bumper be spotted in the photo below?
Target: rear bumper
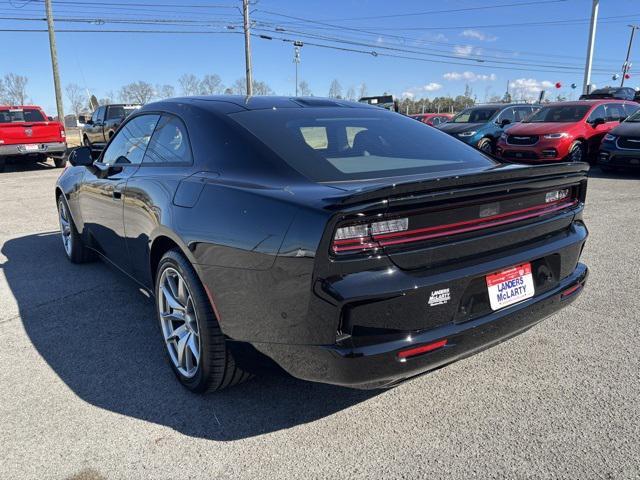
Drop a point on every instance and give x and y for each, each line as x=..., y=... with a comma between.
x=50, y=148
x=377, y=365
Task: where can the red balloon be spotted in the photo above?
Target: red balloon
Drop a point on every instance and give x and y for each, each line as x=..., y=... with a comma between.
x=627, y=76
x=558, y=85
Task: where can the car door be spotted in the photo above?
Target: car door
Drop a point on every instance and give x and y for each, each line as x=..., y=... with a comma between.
x=100, y=197
x=95, y=131
x=597, y=127
x=150, y=192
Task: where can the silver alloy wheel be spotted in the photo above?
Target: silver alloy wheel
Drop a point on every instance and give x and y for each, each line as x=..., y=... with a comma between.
x=65, y=227
x=576, y=154
x=179, y=322
x=486, y=147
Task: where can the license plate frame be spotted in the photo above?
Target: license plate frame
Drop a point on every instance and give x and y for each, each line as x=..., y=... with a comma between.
x=510, y=286
x=31, y=148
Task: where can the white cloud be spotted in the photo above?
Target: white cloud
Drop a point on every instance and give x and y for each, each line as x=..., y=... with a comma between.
x=469, y=76
x=415, y=91
x=466, y=50
x=431, y=87
x=528, y=88
x=483, y=37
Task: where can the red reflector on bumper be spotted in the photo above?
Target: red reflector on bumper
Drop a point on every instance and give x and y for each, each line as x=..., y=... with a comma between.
x=412, y=352
x=571, y=290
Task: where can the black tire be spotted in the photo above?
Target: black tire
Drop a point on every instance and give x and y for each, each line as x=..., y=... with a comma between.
x=577, y=153
x=2, y=164
x=60, y=162
x=486, y=145
x=217, y=368
x=77, y=251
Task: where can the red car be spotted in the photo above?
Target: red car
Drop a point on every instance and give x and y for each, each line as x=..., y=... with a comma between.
x=27, y=133
x=566, y=131
x=433, y=119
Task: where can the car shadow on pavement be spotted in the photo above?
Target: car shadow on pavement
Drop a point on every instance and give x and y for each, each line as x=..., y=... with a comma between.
x=98, y=333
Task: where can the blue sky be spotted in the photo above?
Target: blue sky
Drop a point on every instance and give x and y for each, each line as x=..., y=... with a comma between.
x=489, y=44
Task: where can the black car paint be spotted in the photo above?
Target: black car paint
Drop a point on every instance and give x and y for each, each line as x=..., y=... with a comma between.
x=624, y=151
x=258, y=234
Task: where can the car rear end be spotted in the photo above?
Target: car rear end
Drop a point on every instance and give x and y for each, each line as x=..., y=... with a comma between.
x=26, y=132
x=416, y=271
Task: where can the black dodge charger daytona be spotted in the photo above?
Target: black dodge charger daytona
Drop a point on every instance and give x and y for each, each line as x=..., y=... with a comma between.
x=349, y=244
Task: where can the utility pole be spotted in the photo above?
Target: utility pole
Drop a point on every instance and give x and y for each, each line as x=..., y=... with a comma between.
x=54, y=61
x=247, y=46
x=296, y=60
x=592, y=38
x=626, y=66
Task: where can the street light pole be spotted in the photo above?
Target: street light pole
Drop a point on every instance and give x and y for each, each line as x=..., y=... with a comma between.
x=592, y=38
x=247, y=46
x=296, y=60
x=54, y=61
x=626, y=65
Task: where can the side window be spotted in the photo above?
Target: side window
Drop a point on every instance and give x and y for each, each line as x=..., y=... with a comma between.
x=435, y=121
x=169, y=144
x=315, y=137
x=614, y=112
x=94, y=116
x=598, y=112
x=115, y=112
x=130, y=143
x=522, y=112
x=507, y=114
x=630, y=109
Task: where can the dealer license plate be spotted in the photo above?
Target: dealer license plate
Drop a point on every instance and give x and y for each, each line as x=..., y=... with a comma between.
x=510, y=286
x=31, y=148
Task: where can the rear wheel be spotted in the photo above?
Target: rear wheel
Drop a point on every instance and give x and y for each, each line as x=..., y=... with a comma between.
x=577, y=152
x=71, y=240
x=2, y=164
x=486, y=145
x=197, y=350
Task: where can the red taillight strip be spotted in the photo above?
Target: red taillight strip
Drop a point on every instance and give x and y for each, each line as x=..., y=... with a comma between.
x=451, y=228
x=412, y=352
x=482, y=223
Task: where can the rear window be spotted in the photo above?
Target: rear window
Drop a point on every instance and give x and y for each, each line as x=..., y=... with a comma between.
x=21, y=115
x=338, y=144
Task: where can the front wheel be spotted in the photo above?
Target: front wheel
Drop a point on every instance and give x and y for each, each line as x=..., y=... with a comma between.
x=71, y=239
x=576, y=152
x=197, y=350
x=486, y=145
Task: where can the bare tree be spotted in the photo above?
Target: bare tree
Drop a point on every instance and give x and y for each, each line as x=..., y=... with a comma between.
x=137, y=92
x=351, y=94
x=335, y=89
x=165, y=91
x=303, y=89
x=108, y=99
x=362, y=90
x=211, y=85
x=189, y=84
x=239, y=87
x=77, y=98
x=16, y=89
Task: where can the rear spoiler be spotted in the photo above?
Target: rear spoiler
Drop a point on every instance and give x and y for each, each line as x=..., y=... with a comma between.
x=506, y=173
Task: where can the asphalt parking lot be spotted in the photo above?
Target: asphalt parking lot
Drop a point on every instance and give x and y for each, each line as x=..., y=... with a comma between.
x=85, y=392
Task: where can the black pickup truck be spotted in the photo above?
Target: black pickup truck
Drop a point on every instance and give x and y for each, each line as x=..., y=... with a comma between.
x=104, y=122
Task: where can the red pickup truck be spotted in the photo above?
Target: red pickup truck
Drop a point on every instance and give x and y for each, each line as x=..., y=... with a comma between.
x=26, y=133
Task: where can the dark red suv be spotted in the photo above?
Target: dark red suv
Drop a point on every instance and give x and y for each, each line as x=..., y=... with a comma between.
x=432, y=119
x=564, y=131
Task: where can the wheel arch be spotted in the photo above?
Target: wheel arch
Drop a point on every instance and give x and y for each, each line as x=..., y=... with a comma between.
x=160, y=245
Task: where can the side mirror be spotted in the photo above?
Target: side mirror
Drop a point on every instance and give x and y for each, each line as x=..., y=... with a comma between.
x=89, y=122
x=504, y=122
x=598, y=121
x=50, y=118
x=80, y=157
x=82, y=119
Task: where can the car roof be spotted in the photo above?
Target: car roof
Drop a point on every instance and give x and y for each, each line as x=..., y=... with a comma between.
x=221, y=102
x=12, y=107
x=590, y=102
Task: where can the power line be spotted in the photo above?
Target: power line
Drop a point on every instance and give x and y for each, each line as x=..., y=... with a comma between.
x=454, y=10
